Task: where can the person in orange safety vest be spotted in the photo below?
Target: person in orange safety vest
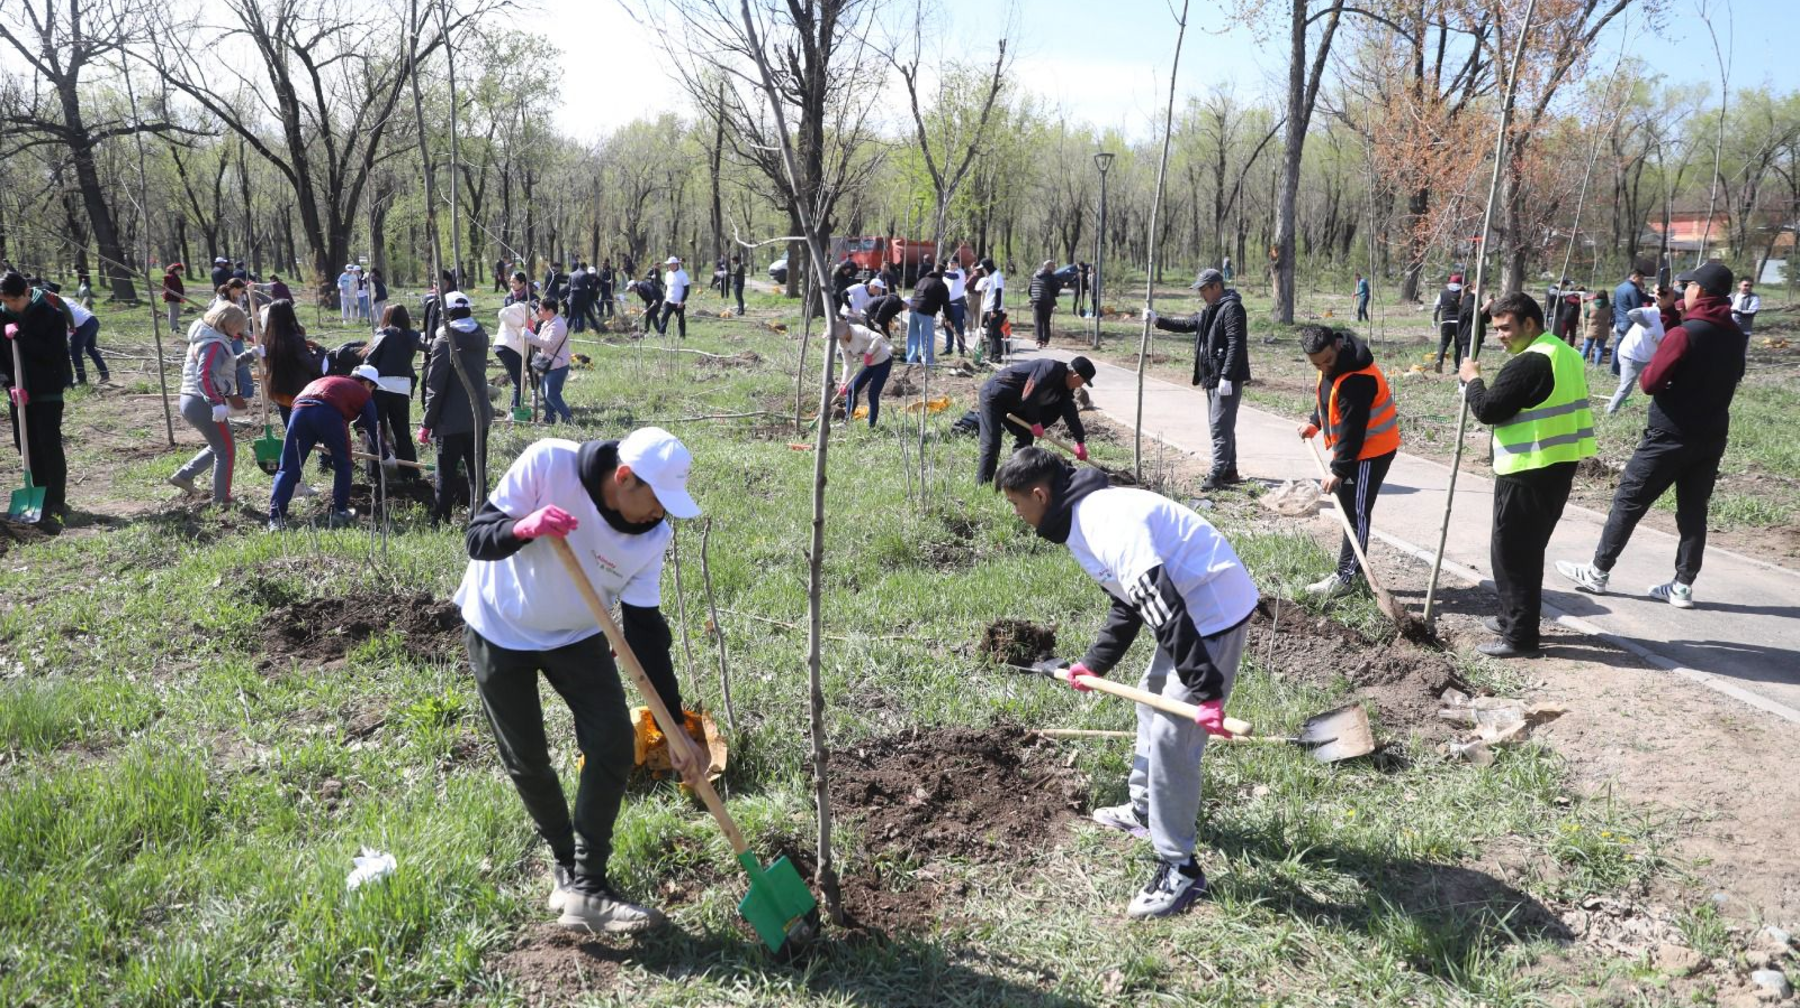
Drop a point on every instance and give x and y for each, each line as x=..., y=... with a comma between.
x=1354, y=409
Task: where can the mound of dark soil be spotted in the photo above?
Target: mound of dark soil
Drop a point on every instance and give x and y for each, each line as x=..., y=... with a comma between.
x=1017, y=642
x=1400, y=681
x=977, y=793
x=325, y=629
x=400, y=493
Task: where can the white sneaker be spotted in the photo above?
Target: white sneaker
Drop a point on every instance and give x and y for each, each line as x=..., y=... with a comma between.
x=1675, y=593
x=1123, y=817
x=1328, y=586
x=606, y=911
x=1587, y=577
x=1171, y=890
x=561, y=876
x=305, y=490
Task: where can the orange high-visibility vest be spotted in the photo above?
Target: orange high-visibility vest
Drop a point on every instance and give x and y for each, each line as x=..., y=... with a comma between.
x=1383, y=434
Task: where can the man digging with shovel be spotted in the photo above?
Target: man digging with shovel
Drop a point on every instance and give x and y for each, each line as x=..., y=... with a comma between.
x=1355, y=411
x=524, y=615
x=1164, y=565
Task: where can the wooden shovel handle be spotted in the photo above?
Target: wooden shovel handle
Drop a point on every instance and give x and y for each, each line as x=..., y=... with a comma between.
x=671, y=726
x=1058, y=442
x=1344, y=520
x=1176, y=707
x=366, y=457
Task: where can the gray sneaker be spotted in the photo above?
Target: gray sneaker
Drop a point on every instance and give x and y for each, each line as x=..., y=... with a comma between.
x=1675, y=593
x=183, y=483
x=561, y=876
x=339, y=519
x=1587, y=577
x=1172, y=889
x=1327, y=587
x=1123, y=817
x=602, y=910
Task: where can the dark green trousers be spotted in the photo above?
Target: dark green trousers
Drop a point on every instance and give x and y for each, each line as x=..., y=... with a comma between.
x=584, y=675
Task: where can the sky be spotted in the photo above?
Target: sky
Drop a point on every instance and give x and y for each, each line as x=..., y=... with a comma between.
x=1106, y=63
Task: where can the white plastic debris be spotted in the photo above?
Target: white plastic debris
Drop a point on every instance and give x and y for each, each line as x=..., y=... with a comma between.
x=371, y=866
x=1295, y=499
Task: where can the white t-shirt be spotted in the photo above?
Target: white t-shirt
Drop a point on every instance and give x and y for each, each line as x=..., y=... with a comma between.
x=1119, y=534
x=991, y=287
x=864, y=341
x=858, y=295
x=526, y=602
x=958, y=282
x=676, y=283
x=77, y=312
x=1645, y=335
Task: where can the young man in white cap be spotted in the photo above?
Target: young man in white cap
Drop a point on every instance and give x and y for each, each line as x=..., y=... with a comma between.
x=1164, y=566
x=323, y=412
x=675, y=292
x=608, y=500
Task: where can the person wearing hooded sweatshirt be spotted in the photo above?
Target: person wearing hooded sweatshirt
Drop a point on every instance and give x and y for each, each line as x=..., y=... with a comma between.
x=391, y=352
x=930, y=296
x=322, y=414
x=208, y=383
x=1444, y=312
x=523, y=617
x=1638, y=347
x=448, y=415
x=1354, y=408
x=1221, y=366
x=1042, y=295
x=172, y=294
x=1034, y=391
x=1691, y=380
x=550, y=364
x=650, y=291
x=877, y=356
x=1163, y=565
x=510, y=345
x=39, y=330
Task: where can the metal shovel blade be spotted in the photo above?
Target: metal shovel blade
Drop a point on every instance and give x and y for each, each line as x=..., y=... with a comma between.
x=1339, y=734
x=779, y=905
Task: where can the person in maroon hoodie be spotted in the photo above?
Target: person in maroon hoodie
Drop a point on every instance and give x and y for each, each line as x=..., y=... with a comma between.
x=172, y=294
x=1691, y=381
x=322, y=415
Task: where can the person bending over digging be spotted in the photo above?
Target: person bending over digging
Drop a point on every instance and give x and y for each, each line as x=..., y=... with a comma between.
x=1164, y=565
x=1030, y=390
x=877, y=356
x=1355, y=411
x=322, y=415
x=523, y=616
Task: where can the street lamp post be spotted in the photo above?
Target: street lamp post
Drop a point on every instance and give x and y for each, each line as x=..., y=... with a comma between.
x=1102, y=161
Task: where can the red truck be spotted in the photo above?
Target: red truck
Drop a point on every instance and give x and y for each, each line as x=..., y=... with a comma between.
x=872, y=253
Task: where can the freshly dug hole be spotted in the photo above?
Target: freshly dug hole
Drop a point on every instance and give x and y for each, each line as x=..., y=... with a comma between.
x=1017, y=642
x=325, y=629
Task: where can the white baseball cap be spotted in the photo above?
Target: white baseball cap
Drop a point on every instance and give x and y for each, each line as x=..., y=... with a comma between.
x=671, y=261
x=456, y=299
x=662, y=461
x=366, y=371
x=877, y=282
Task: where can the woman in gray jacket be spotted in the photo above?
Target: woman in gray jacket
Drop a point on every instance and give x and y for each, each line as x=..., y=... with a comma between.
x=449, y=415
x=208, y=383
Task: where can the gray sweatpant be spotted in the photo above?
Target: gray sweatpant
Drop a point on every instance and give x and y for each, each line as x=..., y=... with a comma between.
x=1221, y=418
x=220, y=453
x=1165, y=771
x=1628, y=378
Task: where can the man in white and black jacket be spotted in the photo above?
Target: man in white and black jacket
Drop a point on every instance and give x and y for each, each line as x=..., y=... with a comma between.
x=1221, y=366
x=1034, y=391
x=523, y=616
x=1163, y=565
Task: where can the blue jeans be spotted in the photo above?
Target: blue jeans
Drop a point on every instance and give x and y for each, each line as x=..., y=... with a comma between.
x=308, y=425
x=86, y=340
x=875, y=377
x=553, y=400
x=246, y=383
x=919, y=341
x=1593, y=350
x=956, y=317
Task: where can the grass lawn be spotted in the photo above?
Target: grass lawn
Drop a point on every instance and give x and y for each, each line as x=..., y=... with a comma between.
x=181, y=795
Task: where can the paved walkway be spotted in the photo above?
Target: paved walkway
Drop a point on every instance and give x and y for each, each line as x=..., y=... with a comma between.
x=1743, y=638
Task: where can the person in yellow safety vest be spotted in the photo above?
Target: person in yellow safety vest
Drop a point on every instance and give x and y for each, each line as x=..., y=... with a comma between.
x=1355, y=411
x=1538, y=407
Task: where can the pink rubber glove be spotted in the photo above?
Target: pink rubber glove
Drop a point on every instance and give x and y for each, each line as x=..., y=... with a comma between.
x=12, y=331
x=1211, y=717
x=548, y=520
x=869, y=359
x=842, y=391
x=1037, y=430
x=1081, y=451
x=20, y=397
x=1076, y=672
x=424, y=435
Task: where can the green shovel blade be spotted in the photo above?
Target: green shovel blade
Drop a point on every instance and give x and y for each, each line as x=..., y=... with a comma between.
x=268, y=451
x=778, y=897
x=521, y=414
x=27, y=503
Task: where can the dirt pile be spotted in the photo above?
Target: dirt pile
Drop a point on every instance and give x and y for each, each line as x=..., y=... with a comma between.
x=1400, y=681
x=1017, y=642
x=325, y=629
x=981, y=794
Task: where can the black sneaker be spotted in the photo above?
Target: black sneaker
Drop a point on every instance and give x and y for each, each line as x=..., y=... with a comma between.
x=1507, y=649
x=1171, y=890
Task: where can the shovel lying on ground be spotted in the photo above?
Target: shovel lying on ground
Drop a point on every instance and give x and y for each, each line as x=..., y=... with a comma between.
x=27, y=503
x=1410, y=626
x=1335, y=735
x=1069, y=449
x=778, y=906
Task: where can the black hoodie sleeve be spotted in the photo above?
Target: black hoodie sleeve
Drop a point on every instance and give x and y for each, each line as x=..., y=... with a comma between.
x=490, y=535
x=1524, y=382
x=1178, y=323
x=1155, y=600
x=648, y=635
x=1071, y=414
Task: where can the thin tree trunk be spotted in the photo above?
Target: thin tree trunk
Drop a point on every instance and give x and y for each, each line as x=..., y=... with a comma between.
x=1162, y=168
x=718, y=629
